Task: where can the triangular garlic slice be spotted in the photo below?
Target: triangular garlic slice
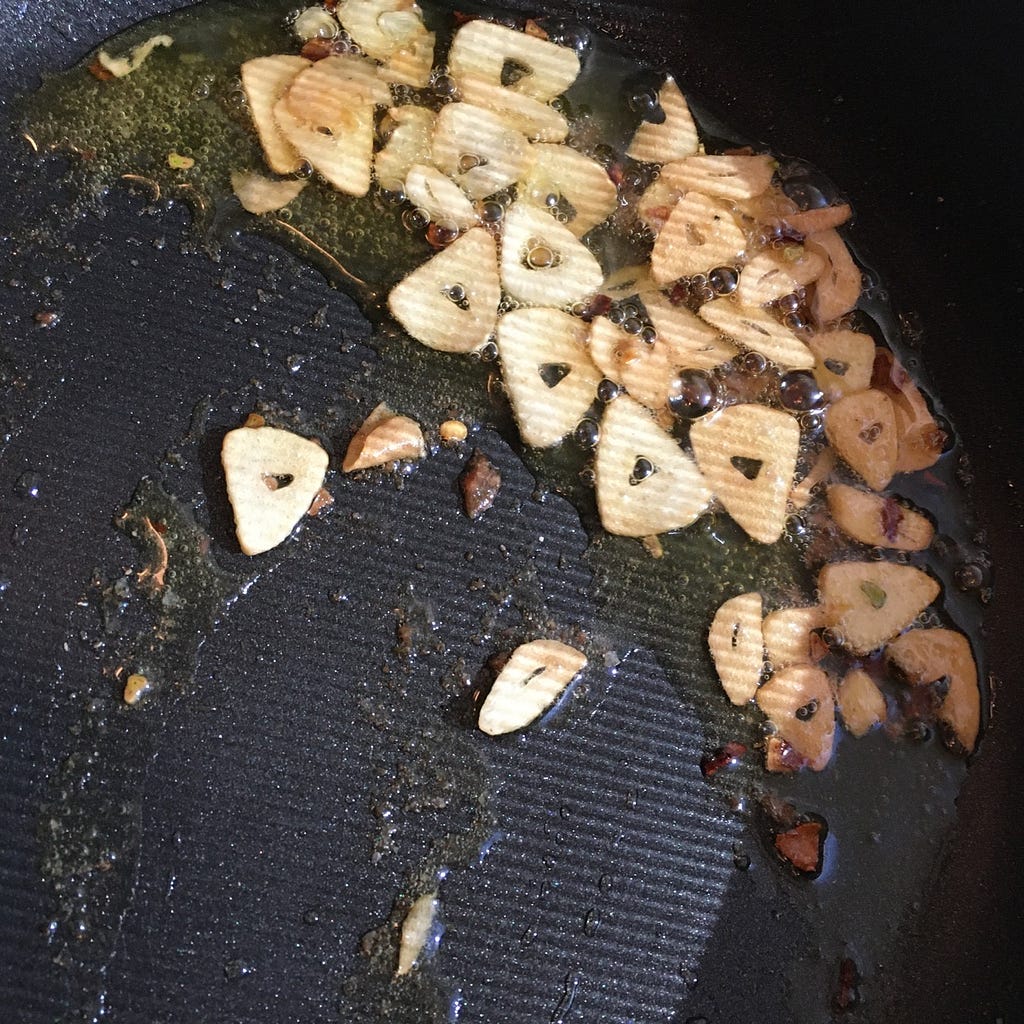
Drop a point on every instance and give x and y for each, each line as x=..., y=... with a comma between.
x=538, y=121
x=408, y=144
x=341, y=151
x=446, y=203
x=561, y=176
x=479, y=149
x=729, y=177
x=862, y=429
x=381, y=27
x=646, y=484
x=868, y=603
x=542, y=262
x=694, y=343
x=384, y=437
x=512, y=60
x=748, y=455
x=737, y=646
x=531, y=681
x=550, y=379
x=844, y=361
x=265, y=80
x=757, y=330
x=700, y=234
x=272, y=477
x=451, y=301
x=674, y=138
x=316, y=92
x=774, y=273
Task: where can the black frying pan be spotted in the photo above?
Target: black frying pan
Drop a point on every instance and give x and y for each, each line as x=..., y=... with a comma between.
x=229, y=876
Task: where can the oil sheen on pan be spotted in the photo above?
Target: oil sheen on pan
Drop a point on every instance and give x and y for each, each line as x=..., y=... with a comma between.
x=579, y=278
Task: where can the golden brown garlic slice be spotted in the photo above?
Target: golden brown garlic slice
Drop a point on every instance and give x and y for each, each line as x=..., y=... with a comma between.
x=674, y=138
x=260, y=194
x=868, y=603
x=728, y=177
x=272, y=477
x=550, y=378
x=412, y=130
x=646, y=483
x=265, y=81
x=384, y=437
x=862, y=429
x=579, y=188
x=837, y=289
x=531, y=681
x=774, y=273
x=843, y=361
x=451, y=302
x=542, y=262
x=442, y=200
x=700, y=234
x=879, y=520
x=798, y=701
x=925, y=656
x=758, y=331
x=736, y=641
x=381, y=27
x=747, y=454
x=861, y=703
x=789, y=637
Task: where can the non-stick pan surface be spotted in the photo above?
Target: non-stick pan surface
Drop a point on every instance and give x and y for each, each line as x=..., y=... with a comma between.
x=223, y=842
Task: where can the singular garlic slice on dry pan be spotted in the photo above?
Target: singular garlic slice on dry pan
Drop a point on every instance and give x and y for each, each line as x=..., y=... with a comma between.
x=417, y=926
x=479, y=149
x=798, y=701
x=513, y=60
x=265, y=81
x=531, y=681
x=272, y=478
x=451, y=302
x=673, y=139
x=843, y=361
x=737, y=646
x=774, y=273
x=381, y=27
x=787, y=635
x=646, y=484
x=384, y=437
x=408, y=144
x=259, y=194
x=759, y=331
x=538, y=121
x=861, y=702
x=728, y=177
x=747, y=454
x=862, y=429
x=341, y=151
x=445, y=203
x=877, y=520
x=700, y=234
x=927, y=655
x=542, y=262
x=868, y=603
x=694, y=343
x=550, y=378
x=561, y=175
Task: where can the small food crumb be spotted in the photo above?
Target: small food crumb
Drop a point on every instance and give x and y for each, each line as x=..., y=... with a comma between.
x=135, y=688
x=480, y=482
x=254, y=420
x=802, y=847
x=453, y=432
x=416, y=929
x=652, y=545
x=321, y=502
x=177, y=162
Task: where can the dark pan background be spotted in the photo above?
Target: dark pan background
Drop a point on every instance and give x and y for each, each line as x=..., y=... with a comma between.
x=246, y=891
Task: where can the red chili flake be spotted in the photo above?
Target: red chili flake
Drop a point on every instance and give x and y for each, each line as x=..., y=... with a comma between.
x=531, y=28
x=97, y=70
x=480, y=482
x=740, y=151
x=330, y=6
x=461, y=18
x=803, y=846
x=323, y=499
x=47, y=318
x=725, y=756
x=892, y=516
x=598, y=306
x=847, y=996
x=158, y=526
x=780, y=756
x=316, y=49
x=617, y=173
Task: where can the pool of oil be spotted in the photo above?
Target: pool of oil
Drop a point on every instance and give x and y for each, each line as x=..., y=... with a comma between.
x=889, y=801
